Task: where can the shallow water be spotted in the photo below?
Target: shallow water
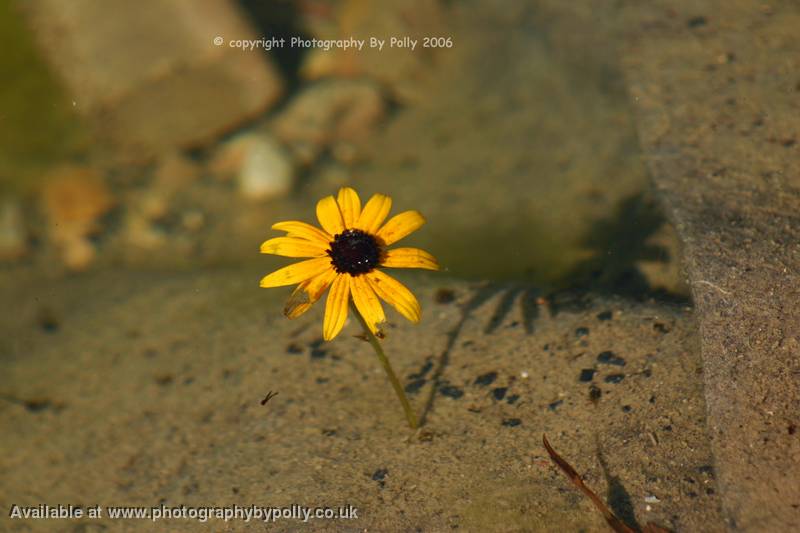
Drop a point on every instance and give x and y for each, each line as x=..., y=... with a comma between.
x=518, y=147
x=134, y=377
x=38, y=126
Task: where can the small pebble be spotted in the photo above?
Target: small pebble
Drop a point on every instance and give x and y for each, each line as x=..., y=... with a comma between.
x=486, y=379
x=609, y=358
x=175, y=171
x=451, y=391
x=317, y=352
x=294, y=348
x=47, y=320
x=444, y=296
x=605, y=315
x=414, y=386
x=661, y=328
x=75, y=199
x=335, y=113
x=423, y=371
x=696, y=22
x=78, y=253
x=595, y=393
x=380, y=476
x=142, y=233
x=614, y=378
x=229, y=157
x=267, y=171
x=586, y=374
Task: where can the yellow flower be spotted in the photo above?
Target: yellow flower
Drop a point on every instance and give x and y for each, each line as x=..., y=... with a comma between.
x=345, y=256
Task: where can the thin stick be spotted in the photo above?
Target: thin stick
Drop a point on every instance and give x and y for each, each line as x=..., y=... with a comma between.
x=398, y=388
x=611, y=519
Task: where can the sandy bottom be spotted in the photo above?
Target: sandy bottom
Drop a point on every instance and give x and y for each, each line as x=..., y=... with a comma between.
x=145, y=390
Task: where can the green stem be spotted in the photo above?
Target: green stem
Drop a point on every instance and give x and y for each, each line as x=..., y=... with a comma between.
x=398, y=388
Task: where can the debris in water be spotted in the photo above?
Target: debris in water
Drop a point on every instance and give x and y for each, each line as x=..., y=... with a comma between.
x=615, y=523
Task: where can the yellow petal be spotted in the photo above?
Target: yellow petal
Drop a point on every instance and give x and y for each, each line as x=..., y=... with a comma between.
x=367, y=303
x=374, y=213
x=293, y=247
x=336, y=307
x=330, y=218
x=307, y=293
x=349, y=205
x=297, y=272
x=400, y=225
x=409, y=258
x=395, y=294
x=295, y=228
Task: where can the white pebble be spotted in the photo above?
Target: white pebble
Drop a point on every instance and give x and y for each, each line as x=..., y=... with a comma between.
x=267, y=171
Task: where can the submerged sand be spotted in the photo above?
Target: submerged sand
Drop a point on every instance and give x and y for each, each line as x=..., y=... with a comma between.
x=108, y=402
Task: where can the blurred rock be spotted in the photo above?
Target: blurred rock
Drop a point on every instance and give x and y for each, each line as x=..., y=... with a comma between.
x=151, y=76
x=229, y=157
x=173, y=175
x=510, y=159
x=266, y=171
x=330, y=113
x=144, y=211
x=78, y=253
x=74, y=199
x=345, y=152
x=399, y=69
x=142, y=233
x=153, y=205
x=176, y=171
x=332, y=175
x=13, y=240
x=193, y=220
x=262, y=167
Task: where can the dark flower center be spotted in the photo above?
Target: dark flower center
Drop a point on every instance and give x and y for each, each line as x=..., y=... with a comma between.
x=354, y=252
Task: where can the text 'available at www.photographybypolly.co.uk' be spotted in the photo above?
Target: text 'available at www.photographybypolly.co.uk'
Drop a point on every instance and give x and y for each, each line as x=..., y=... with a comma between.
x=200, y=513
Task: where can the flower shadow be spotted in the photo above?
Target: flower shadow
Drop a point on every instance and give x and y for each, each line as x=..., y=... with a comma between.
x=617, y=244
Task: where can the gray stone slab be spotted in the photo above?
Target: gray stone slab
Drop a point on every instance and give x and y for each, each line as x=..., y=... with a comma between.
x=717, y=92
